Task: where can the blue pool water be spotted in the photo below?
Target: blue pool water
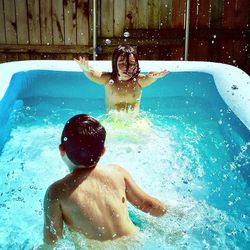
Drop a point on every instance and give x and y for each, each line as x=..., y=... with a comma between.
x=186, y=148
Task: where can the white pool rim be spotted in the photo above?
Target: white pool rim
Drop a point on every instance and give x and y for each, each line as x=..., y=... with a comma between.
x=226, y=77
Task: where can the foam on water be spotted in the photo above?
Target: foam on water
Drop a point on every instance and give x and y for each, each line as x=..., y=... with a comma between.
x=186, y=165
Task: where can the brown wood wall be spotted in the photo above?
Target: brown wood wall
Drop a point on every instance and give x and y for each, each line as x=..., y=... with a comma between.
x=63, y=29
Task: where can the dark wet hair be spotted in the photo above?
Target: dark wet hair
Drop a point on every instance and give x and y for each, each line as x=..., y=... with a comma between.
x=126, y=51
x=83, y=139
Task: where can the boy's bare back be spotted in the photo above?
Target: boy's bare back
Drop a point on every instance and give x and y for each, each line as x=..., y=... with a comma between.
x=93, y=202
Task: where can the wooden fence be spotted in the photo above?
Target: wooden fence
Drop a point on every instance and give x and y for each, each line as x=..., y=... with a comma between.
x=63, y=29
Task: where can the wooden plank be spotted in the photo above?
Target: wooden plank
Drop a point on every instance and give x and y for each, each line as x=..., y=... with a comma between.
x=214, y=48
x=25, y=48
x=226, y=51
x=59, y=56
x=216, y=13
x=239, y=53
x=165, y=14
x=82, y=12
x=136, y=41
x=203, y=14
x=34, y=22
x=178, y=10
x=202, y=50
x=11, y=57
x=91, y=20
x=198, y=49
x=107, y=17
x=57, y=22
x=98, y=24
x=22, y=22
x=193, y=14
x=69, y=57
x=165, y=53
x=153, y=14
x=34, y=56
x=236, y=13
x=131, y=21
x=70, y=21
x=143, y=14
x=177, y=53
x=2, y=26
x=3, y=57
x=119, y=17
x=46, y=22
x=156, y=33
x=23, y=56
x=199, y=14
x=10, y=21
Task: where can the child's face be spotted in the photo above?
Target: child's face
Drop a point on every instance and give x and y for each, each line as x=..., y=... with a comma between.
x=123, y=70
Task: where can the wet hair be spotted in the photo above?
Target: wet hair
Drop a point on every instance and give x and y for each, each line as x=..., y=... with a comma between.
x=125, y=51
x=83, y=139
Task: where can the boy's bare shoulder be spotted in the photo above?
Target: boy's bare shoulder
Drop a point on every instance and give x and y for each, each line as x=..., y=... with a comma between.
x=116, y=167
x=57, y=189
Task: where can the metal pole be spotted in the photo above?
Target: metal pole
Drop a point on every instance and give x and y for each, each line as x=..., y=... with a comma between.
x=187, y=30
x=94, y=30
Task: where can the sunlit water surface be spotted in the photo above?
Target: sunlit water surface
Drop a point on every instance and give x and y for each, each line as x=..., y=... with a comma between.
x=179, y=155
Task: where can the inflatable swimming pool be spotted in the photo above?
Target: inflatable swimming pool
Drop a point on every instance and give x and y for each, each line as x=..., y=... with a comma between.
x=190, y=146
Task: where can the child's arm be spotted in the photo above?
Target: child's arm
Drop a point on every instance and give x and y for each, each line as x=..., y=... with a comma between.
x=93, y=75
x=53, y=221
x=151, y=77
x=137, y=197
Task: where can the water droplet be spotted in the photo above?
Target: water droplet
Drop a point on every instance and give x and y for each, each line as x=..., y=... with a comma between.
x=98, y=49
x=220, y=122
x=126, y=34
x=65, y=138
x=111, y=81
x=108, y=41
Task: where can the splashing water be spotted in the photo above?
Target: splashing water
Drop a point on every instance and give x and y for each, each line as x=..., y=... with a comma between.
x=186, y=165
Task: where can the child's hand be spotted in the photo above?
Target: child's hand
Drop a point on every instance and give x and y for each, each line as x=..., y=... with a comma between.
x=84, y=63
x=158, y=74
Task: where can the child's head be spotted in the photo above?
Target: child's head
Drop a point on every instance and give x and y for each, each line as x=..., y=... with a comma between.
x=125, y=59
x=83, y=140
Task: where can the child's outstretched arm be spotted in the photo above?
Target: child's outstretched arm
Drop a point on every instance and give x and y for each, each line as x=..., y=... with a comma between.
x=53, y=221
x=137, y=197
x=93, y=75
x=151, y=77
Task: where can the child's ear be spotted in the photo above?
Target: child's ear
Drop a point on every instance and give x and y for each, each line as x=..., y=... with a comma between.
x=61, y=149
x=103, y=151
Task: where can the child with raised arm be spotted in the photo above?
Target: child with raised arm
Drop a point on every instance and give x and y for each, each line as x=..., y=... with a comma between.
x=92, y=200
x=123, y=87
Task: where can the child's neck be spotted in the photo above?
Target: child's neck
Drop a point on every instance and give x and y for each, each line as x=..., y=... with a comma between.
x=81, y=168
